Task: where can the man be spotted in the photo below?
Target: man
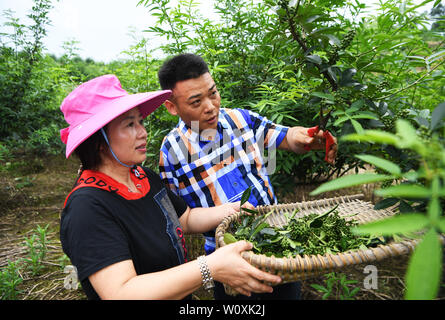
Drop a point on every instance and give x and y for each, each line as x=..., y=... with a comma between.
x=214, y=154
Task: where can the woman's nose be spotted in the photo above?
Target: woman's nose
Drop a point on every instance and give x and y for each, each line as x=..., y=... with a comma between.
x=141, y=130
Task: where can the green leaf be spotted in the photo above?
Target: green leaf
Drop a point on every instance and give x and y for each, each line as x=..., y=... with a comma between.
x=414, y=8
x=424, y=269
x=258, y=229
x=268, y=231
x=441, y=225
x=249, y=210
x=435, y=186
x=385, y=203
x=354, y=291
x=356, y=105
x=397, y=224
x=313, y=18
x=434, y=210
x=405, y=206
x=332, y=74
x=322, y=95
x=341, y=120
x=349, y=181
x=411, y=175
x=404, y=191
x=314, y=59
x=381, y=163
x=364, y=115
x=437, y=116
x=408, y=135
x=346, y=78
x=435, y=56
x=229, y=238
x=246, y=195
x=357, y=126
x=374, y=136
x=332, y=39
x=319, y=288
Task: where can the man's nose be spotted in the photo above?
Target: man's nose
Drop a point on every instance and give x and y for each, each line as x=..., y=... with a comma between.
x=209, y=106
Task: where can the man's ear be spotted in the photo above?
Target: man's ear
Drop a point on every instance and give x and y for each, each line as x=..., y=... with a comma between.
x=171, y=107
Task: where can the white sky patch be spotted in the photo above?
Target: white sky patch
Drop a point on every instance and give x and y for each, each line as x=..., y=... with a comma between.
x=103, y=28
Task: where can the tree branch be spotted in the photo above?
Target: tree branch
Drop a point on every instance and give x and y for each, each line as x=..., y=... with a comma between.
x=414, y=83
x=303, y=45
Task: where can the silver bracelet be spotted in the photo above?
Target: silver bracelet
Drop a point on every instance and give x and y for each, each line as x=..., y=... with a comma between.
x=207, y=280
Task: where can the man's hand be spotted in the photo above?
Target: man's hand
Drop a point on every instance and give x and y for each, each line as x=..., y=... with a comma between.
x=298, y=140
x=234, y=207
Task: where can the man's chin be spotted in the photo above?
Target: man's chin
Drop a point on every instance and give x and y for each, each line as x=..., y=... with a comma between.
x=208, y=125
x=208, y=133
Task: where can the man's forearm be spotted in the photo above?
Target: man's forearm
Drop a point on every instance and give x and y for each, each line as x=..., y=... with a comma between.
x=199, y=220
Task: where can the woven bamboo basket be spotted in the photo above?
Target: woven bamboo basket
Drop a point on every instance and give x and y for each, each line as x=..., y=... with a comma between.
x=308, y=266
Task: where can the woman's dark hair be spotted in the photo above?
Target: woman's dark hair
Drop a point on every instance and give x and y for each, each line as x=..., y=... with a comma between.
x=89, y=151
x=181, y=67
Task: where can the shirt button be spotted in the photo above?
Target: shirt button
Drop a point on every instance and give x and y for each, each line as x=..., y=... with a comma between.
x=235, y=184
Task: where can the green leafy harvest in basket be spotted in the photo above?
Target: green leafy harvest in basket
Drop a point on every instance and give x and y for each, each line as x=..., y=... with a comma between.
x=311, y=234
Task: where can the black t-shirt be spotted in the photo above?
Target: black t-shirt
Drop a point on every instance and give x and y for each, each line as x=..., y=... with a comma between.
x=100, y=227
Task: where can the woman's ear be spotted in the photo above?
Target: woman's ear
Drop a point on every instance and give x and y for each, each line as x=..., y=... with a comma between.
x=171, y=107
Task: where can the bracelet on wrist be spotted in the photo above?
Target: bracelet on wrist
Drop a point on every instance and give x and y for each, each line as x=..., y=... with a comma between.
x=207, y=280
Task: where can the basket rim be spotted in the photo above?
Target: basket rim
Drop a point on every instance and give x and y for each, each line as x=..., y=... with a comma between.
x=303, y=266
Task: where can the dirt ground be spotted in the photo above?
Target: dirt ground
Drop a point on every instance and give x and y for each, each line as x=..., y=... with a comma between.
x=32, y=192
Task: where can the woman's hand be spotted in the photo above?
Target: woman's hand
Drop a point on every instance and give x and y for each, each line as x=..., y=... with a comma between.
x=226, y=265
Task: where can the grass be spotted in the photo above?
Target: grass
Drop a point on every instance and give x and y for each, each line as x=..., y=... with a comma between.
x=31, y=258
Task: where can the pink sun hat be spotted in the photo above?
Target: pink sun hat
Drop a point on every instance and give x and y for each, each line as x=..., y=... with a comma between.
x=97, y=102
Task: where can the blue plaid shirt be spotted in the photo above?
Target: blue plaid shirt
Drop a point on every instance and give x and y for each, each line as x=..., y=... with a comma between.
x=207, y=173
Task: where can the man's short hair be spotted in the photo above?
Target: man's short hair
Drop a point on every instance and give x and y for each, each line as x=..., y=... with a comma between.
x=179, y=68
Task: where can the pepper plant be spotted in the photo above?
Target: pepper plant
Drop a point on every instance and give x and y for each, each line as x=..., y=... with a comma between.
x=423, y=185
x=363, y=69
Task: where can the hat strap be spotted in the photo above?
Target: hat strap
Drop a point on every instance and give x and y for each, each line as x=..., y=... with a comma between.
x=134, y=167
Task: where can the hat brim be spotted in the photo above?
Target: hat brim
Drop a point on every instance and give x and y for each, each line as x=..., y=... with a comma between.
x=147, y=103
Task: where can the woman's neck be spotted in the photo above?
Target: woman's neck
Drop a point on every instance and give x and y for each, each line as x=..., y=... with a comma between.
x=119, y=173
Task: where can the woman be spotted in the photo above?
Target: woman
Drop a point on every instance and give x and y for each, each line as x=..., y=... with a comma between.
x=120, y=227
